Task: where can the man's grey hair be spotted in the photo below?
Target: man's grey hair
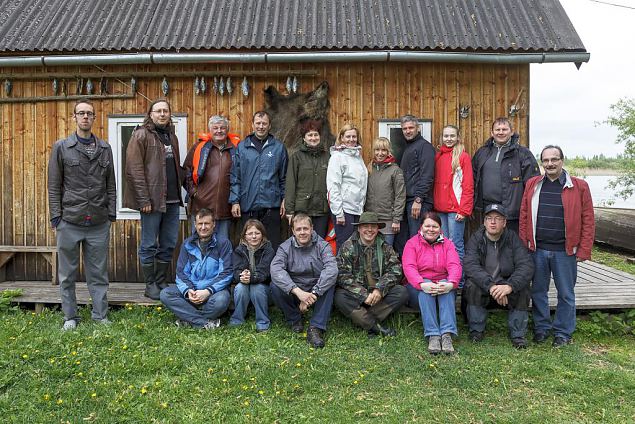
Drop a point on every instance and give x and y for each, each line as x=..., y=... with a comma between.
x=217, y=119
x=409, y=118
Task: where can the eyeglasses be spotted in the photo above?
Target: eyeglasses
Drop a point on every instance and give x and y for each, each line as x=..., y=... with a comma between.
x=495, y=218
x=166, y=111
x=82, y=113
x=556, y=160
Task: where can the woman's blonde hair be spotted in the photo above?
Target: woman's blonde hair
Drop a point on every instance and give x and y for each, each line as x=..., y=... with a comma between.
x=379, y=143
x=345, y=128
x=458, y=148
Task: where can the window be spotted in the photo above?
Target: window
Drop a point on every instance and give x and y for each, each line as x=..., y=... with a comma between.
x=391, y=129
x=120, y=129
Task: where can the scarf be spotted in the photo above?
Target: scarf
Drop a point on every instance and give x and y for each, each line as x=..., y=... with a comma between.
x=389, y=159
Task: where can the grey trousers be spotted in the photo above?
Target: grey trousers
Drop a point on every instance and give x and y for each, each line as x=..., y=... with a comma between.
x=94, y=241
x=367, y=316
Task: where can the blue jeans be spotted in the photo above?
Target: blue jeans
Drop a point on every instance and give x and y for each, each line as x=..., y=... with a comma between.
x=436, y=323
x=159, y=231
x=453, y=230
x=565, y=272
x=344, y=232
x=221, y=229
x=197, y=315
x=289, y=304
x=259, y=295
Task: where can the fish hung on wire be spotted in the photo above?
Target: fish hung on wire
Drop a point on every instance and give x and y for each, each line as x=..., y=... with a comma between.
x=203, y=85
x=230, y=86
x=221, y=86
x=103, y=86
x=215, y=85
x=244, y=87
x=165, y=87
x=56, y=86
x=289, y=84
x=89, y=86
x=197, y=86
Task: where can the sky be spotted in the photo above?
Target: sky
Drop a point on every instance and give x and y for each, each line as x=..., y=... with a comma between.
x=567, y=104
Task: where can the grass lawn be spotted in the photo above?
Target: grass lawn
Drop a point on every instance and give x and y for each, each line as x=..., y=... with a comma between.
x=613, y=258
x=143, y=369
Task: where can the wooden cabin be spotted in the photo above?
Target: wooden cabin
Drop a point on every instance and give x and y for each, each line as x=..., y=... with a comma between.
x=447, y=62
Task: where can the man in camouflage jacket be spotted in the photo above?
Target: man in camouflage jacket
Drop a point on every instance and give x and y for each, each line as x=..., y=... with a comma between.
x=368, y=288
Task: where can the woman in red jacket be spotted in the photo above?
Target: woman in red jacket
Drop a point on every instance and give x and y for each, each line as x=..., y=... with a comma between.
x=453, y=186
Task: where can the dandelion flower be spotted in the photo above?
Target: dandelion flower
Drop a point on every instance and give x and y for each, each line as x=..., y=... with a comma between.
x=144, y=390
x=25, y=356
x=60, y=401
x=94, y=395
x=47, y=397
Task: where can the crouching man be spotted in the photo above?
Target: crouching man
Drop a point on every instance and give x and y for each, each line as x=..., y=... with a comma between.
x=203, y=273
x=303, y=273
x=368, y=282
x=497, y=266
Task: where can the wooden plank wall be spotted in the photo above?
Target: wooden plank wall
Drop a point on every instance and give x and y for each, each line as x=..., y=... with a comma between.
x=361, y=93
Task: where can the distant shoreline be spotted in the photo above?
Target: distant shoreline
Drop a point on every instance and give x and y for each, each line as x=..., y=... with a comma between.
x=588, y=172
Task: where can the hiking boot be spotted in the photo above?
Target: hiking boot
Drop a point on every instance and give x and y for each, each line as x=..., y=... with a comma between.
x=559, y=341
x=297, y=327
x=434, y=345
x=212, y=324
x=476, y=336
x=379, y=330
x=69, y=325
x=446, y=344
x=519, y=343
x=314, y=337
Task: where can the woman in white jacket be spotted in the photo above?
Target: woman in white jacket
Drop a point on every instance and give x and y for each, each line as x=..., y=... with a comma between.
x=346, y=180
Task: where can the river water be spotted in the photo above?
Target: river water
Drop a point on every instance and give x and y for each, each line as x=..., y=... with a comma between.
x=603, y=196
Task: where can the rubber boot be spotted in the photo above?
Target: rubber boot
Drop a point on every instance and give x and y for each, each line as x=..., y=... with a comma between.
x=161, y=275
x=149, y=275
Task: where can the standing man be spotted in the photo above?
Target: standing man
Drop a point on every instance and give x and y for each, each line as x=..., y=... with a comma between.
x=417, y=164
x=153, y=187
x=207, y=168
x=501, y=169
x=497, y=268
x=303, y=273
x=558, y=225
x=82, y=203
x=258, y=178
x=203, y=273
x=369, y=275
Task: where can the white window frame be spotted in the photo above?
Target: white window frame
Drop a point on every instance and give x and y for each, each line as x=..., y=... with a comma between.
x=115, y=122
x=385, y=125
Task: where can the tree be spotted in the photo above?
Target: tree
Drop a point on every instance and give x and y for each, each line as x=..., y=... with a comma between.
x=623, y=118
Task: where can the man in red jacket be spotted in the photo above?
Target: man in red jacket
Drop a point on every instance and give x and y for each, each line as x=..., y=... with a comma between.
x=558, y=226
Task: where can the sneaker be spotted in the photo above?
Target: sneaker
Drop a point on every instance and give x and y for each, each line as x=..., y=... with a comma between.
x=314, y=337
x=297, y=327
x=182, y=324
x=446, y=344
x=519, y=343
x=103, y=321
x=212, y=324
x=69, y=325
x=476, y=336
x=559, y=341
x=434, y=345
x=540, y=337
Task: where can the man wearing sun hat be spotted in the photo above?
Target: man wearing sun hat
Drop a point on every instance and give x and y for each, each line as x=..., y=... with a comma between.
x=368, y=288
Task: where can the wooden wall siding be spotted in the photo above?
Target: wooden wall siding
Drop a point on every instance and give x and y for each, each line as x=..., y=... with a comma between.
x=361, y=93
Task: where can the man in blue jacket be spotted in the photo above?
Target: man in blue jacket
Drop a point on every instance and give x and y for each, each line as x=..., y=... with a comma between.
x=203, y=273
x=258, y=176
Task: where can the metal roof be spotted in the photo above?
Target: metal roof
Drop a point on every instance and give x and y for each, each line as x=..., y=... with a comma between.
x=287, y=25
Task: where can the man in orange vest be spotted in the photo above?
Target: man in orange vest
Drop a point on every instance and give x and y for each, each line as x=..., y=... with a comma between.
x=207, y=168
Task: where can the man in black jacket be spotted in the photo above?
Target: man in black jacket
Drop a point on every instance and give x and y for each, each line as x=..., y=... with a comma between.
x=82, y=203
x=497, y=267
x=417, y=163
x=501, y=169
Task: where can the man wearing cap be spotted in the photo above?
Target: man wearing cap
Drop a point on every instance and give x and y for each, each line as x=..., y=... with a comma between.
x=501, y=169
x=498, y=268
x=558, y=225
x=368, y=281
x=303, y=277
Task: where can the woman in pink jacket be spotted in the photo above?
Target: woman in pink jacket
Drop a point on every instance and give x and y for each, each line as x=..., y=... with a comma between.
x=453, y=186
x=433, y=270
